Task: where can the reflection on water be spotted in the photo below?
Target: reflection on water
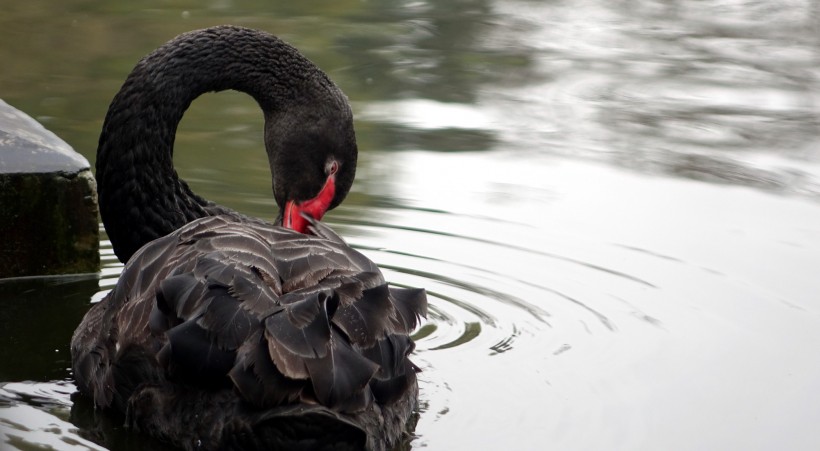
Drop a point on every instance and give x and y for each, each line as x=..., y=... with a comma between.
x=613, y=206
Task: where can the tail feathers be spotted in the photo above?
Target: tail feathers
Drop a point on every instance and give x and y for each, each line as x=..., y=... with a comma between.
x=341, y=376
x=258, y=380
x=396, y=373
x=410, y=305
x=340, y=340
x=365, y=320
x=298, y=333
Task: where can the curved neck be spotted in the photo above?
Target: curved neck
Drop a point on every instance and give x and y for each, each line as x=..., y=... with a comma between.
x=141, y=197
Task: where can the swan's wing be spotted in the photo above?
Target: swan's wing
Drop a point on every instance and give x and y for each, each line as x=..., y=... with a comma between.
x=279, y=315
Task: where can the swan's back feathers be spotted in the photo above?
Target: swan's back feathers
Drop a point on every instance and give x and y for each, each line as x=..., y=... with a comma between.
x=279, y=316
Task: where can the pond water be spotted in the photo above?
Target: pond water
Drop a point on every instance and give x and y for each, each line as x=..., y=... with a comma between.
x=613, y=205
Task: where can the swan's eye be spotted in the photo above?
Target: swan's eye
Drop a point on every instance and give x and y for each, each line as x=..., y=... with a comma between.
x=332, y=167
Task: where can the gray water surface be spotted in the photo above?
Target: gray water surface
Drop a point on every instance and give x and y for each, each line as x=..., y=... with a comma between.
x=613, y=205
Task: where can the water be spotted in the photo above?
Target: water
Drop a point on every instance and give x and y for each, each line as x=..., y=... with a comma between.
x=614, y=206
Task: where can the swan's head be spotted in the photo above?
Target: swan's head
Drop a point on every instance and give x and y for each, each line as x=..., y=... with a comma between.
x=312, y=152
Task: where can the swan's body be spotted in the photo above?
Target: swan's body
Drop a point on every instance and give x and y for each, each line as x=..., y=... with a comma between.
x=227, y=332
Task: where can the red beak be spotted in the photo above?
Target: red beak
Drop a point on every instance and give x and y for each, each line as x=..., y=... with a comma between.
x=315, y=207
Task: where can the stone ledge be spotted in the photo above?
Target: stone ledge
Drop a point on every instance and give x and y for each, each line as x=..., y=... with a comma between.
x=48, y=202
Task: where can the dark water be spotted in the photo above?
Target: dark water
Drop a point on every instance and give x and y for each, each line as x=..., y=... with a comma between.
x=614, y=205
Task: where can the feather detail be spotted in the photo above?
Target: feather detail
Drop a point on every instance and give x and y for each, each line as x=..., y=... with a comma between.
x=410, y=305
x=341, y=374
x=258, y=380
x=301, y=266
x=255, y=296
x=191, y=356
x=365, y=320
x=181, y=297
x=390, y=390
x=227, y=323
x=396, y=372
x=300, y=331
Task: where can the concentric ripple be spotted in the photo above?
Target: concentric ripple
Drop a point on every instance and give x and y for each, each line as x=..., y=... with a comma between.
x=505, y=297
x=579, y=313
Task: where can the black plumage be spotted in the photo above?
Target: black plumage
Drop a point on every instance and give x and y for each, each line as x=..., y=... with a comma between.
x=228, y=332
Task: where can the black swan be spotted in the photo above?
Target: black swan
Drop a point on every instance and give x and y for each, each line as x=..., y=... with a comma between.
x=225, y=331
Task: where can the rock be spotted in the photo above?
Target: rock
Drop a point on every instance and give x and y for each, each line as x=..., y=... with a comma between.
x=48, y=202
